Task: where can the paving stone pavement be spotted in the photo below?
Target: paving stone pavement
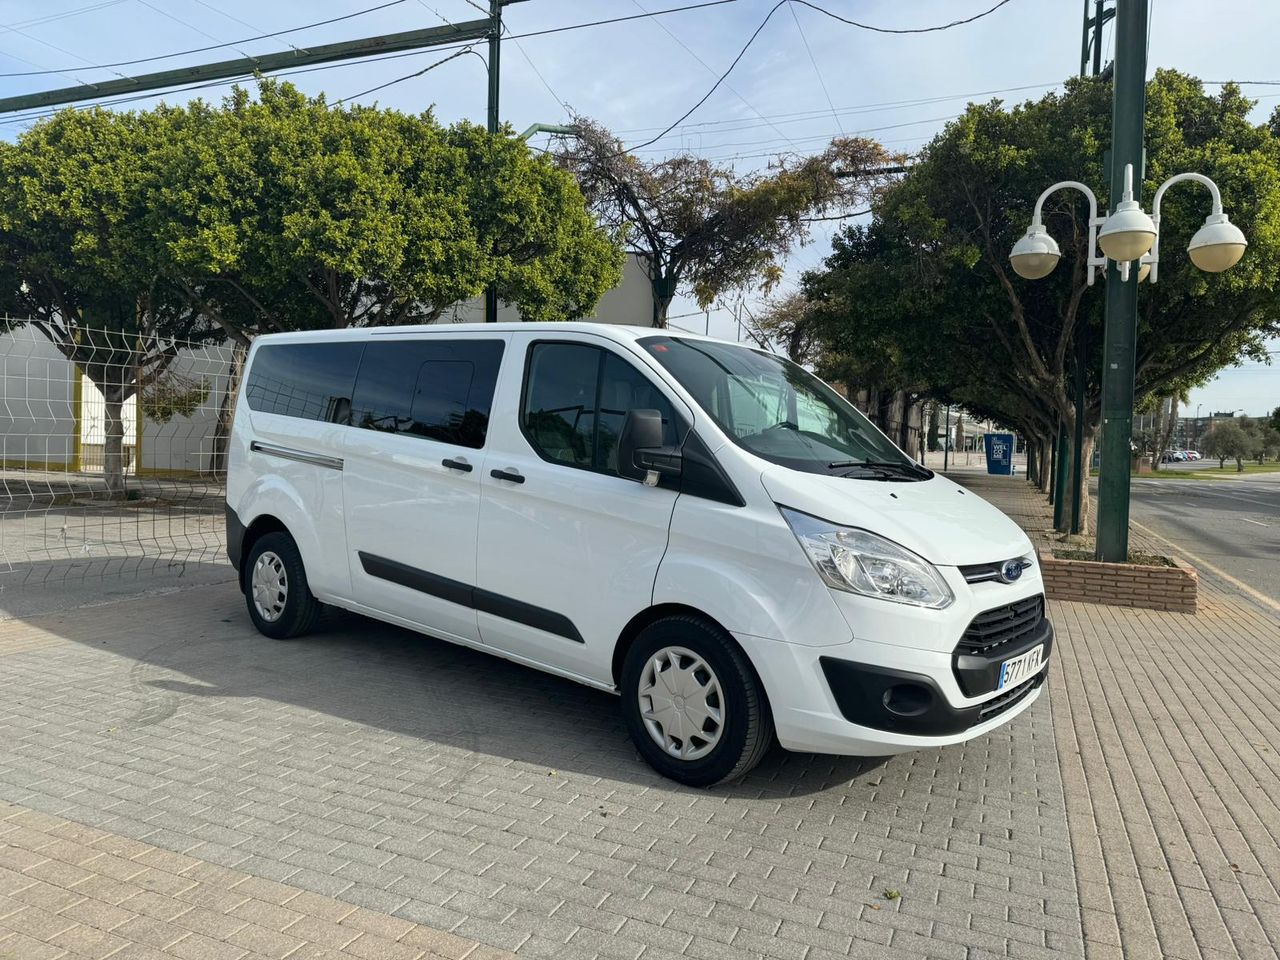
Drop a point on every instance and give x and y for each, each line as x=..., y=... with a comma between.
x=1168, y=727
x=466, y=795
x=68, y=890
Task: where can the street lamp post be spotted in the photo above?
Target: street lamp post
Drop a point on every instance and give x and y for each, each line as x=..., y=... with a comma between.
x=1126, y=235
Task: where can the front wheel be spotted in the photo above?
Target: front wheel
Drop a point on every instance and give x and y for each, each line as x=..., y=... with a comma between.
x=692, y=703
x=275, y=588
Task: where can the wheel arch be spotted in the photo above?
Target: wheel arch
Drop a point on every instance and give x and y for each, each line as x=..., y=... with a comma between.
x=260, y=527
x=637, y=624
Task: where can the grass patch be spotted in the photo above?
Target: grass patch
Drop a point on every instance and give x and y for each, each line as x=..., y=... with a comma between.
x=1135, y=557
x=1203, y=473
x=1213, y=473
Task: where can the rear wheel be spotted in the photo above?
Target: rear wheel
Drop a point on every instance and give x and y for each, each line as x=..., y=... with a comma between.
x=693, y=704
x=275, y=588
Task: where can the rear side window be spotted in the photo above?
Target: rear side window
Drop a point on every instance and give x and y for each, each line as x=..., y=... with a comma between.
x=576, y=399
x=438, y=389
x=312, y=381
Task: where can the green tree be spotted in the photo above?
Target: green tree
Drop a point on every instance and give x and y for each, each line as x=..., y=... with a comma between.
x=935, y=424
x=1227, y=440
x=282, y=212
x=927, y=283
x=76, y=258
x=703, y=228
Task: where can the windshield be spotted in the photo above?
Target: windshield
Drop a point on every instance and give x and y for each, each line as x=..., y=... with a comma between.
x=779, y=411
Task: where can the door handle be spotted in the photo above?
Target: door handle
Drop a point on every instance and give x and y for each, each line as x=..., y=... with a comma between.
x=458, y=464
x=508, y=474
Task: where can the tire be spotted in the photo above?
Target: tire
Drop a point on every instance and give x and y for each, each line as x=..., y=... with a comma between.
x=284, y=607
x=678, y=658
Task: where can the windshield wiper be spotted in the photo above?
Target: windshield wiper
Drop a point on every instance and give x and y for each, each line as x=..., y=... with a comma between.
x=896, y=465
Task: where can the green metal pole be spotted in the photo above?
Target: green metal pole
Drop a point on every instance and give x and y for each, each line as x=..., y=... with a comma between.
x=1128, y=108
x=495, y=71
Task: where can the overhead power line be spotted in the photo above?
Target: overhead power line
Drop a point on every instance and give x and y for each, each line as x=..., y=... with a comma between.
x=765, y=22
x=816, y=71
x=427, y=69
x=268, y=64
x=360, y=13
x=939, y=27
x=65, y=14
x=215, y=46
x=706, y=66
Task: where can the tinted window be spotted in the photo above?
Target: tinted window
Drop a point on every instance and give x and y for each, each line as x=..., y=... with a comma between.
x=439, y=389
x=576, y=400
x=560, y=401
x=308, y=380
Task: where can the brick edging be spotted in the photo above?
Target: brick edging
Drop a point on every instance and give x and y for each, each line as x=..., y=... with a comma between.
x=1121, y=584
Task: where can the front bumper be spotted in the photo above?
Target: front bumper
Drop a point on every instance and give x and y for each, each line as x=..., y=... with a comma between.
x=882, y=698
x=837, y=704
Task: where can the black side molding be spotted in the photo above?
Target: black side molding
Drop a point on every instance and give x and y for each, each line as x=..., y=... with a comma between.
x=465, y=595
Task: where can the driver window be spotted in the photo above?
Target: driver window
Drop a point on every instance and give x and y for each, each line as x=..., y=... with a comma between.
x=576, y=399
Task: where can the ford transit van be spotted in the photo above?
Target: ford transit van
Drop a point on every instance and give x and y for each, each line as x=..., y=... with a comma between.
x=703, y=528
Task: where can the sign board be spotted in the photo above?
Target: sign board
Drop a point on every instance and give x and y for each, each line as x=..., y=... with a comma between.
x=999, y=453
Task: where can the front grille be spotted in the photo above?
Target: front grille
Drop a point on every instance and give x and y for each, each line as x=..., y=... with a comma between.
x=982, y=572
x=1009, y=699
x=992, y=629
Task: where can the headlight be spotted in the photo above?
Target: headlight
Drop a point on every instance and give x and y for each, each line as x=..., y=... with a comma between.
x=860, y=562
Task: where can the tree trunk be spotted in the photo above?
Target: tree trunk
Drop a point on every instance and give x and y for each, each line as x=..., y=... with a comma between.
x=113, y=445
x=1047, y=462
x=1069, y=485
x=1239, y=465
x=226, y=414
x=1157, y=450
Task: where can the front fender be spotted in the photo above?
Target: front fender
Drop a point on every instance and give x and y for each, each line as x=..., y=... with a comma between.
x=749, y=574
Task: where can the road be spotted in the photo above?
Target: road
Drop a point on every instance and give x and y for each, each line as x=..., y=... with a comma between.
x=1233, y=525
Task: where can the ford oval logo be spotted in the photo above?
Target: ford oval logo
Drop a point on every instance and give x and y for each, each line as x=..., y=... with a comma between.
x=1011, y=570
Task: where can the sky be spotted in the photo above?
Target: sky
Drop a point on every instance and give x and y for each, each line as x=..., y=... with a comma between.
x=805, y=78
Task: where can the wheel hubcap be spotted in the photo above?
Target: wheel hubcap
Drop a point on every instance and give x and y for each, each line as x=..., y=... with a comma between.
x=681, y=703
x=270, y=586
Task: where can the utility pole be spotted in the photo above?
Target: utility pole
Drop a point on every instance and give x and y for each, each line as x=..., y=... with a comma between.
x=1129, y=103
x=1091, y=42
x=495, y=76
x=1091, y=36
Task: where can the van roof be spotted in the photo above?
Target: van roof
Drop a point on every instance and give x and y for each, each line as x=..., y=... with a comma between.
x=615, y=331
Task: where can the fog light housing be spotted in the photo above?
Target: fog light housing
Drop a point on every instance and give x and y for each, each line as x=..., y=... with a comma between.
x=908, y=699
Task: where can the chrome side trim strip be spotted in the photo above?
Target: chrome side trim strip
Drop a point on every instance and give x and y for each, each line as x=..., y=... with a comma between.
x=290, y=453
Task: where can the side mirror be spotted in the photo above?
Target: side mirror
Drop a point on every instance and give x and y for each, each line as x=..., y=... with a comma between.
x=641, y=454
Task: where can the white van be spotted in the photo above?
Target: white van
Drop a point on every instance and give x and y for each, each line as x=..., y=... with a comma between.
x=701, y=527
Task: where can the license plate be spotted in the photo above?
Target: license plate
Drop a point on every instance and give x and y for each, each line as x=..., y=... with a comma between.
x=1017, y=669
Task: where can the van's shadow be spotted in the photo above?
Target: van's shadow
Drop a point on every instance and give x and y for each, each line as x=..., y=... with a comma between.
x=449, y=697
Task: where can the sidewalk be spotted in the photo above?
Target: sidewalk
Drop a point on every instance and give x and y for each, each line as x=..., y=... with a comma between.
x=174, y=785
x=1166, y=727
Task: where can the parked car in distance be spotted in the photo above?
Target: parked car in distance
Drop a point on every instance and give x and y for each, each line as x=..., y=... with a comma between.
x=703, y=528
x=1194, y=455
